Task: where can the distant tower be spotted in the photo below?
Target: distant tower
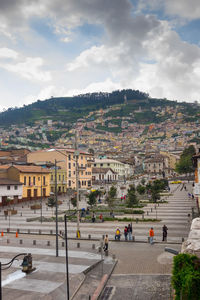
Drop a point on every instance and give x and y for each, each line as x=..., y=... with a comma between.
x=125, y=99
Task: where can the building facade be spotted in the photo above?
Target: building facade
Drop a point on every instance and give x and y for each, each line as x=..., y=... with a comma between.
x=66, y=160
x=10, y=191
x=117, y=166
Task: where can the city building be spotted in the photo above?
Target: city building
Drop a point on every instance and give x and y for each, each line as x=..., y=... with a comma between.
x=117, y=166
x=66, y=160
x=102, y=175
x=10, y=191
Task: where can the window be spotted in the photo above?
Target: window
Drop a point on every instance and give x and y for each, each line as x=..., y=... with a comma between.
x=74, y=164
x=81, y=157
x=81, y=172
x=69, y=173
x=108, y=165
x=33, y=180
x=51, y=177
x=69, y=165
x=94, y=165
x=39, y=178
x=8, y=187
x=69, y=157
x=29, y=180
x=24, y=180
x=69, y=183
x=89, y=165
x=44, y=180
x=101, y=165
x=74, y=172
x=63, y=177
x=52, y=190
x=16, y=187
x=59, y=177
x=81, y=165
x=59, y=188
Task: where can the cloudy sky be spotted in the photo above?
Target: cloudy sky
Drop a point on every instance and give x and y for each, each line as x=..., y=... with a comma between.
x=67, y=47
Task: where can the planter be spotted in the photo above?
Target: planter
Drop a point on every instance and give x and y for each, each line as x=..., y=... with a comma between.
x=36, y=206
x=11, y=212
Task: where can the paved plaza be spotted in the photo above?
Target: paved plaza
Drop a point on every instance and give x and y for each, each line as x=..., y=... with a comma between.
x=142, y=270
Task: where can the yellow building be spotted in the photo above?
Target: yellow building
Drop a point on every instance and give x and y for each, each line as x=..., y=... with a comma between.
x=61, y=181
x=35, y=179
x=173, y=158
x=66, y=160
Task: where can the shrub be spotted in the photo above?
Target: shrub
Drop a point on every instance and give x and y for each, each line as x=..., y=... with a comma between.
x=186, y=276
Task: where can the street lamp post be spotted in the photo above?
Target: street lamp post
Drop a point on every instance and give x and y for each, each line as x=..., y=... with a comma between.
x=66, y=252
x=41, y=198
x=56, y=198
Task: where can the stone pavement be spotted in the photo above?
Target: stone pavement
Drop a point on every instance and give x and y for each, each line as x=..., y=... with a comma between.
x=48, y=281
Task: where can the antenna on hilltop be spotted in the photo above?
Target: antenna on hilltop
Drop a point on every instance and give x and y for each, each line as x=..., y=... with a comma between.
x=125, y=99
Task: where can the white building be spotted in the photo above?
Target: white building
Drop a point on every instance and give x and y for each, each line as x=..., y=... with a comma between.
x=10, y=189
x=117, y=166
x=103, y=175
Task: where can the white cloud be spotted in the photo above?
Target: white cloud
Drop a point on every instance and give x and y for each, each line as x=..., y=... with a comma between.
x=29, y=69
x=8, y=53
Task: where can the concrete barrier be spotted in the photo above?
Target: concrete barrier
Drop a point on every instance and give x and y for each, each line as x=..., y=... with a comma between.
x=89, y=236
x=170, y=250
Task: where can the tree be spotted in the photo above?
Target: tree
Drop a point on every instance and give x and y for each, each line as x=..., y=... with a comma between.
x=185, y=166
x=74, y=201
x=131, y=197
x=141, y=189
x=143, y=181
x=92, y=197
x=112, y=192
x=51, y=203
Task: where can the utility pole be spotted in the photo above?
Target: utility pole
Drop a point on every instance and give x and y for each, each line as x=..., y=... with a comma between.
x=78, y=234
x=56, y=198
x=41, y=198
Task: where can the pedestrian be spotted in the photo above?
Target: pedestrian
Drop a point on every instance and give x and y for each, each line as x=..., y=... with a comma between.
x=192, y=197
x=117, y=234
x=125, y=233
x=151, y=235
x=164, y=229
x=130, y=230
x=93, y=217
x=106, y=243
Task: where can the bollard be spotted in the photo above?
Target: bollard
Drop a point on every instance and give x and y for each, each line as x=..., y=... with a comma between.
x=8, y=241
x=17, y=230
x=8, y=230
x=151, y=209
x=147, y=213
x=183, y=239
x=48, y=243
x=133, y=238
x=78, y=245
x=39, y=231
x=21, y=242
x=113, y=256
x=63, y=244
x=106, y=253
x=142, y=216
x=93, y=246
x=136, y=220
x=51, y=231
x=103, y=236
x=34, y=242
x=22, y=206
x=148, y=239
x=21, y=214
x=158, y=204
x=29, y=231
x=89, y=236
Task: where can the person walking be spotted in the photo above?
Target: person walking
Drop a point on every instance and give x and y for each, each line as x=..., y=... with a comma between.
x=125, y=233
x=164, y=229
x=151, y=235
x=130, y=230
x=105, y=248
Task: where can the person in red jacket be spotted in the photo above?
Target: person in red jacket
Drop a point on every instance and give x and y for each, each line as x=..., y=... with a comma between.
x=151, y=235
